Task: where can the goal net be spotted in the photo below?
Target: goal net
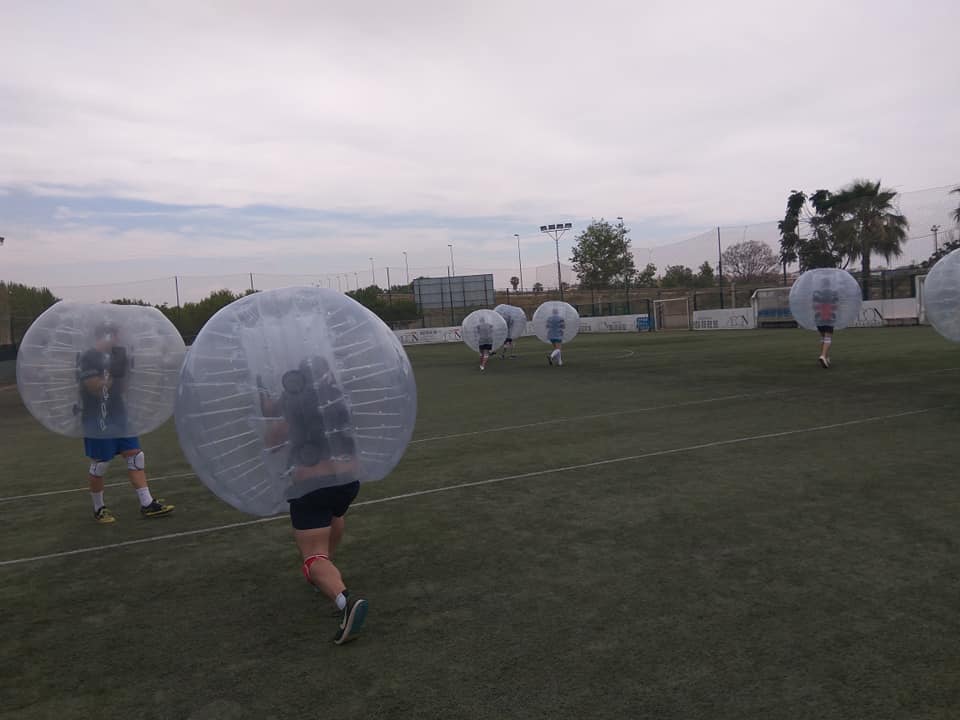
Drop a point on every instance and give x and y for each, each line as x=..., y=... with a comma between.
x=672, y=313
x=771, y=307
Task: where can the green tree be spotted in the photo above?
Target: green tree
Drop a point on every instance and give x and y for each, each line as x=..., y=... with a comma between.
x=956, y=213
x=515, y=282
x=818, y=249
x=851, y=224
x=26, y=304
x=602, y=257
x=951, y=241
x=647, y=277
x=705, y=276
x=538, y=287
x=748, y=261
x=677, y=276
x=865, y=221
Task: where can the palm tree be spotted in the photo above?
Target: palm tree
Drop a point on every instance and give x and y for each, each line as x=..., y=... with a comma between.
x=515, y=281
x=866, y=223
x=956, y=213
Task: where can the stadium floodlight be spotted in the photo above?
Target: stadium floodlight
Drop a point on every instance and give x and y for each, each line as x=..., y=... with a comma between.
x=556, y=230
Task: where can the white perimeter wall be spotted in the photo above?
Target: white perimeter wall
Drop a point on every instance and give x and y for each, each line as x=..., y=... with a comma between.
x=608, y=324
x=873, y=313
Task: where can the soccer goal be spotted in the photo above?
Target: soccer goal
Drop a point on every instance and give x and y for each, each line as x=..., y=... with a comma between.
x=771, y=307
x=922, y=300
x=672, y=313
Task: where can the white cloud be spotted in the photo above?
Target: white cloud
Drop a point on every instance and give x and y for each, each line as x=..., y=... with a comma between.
x=707, y=114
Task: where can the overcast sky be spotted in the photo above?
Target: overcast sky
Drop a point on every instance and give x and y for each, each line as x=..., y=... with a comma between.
x=146, y=139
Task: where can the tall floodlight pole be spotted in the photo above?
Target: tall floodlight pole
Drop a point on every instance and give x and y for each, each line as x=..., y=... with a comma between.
x=356, y=279
x=453, y=268
x=373, y=274
x=556, y=231
x=519, y=260
x=934, y=229
x=720, y=267
x=406, y=264
x=626, y=275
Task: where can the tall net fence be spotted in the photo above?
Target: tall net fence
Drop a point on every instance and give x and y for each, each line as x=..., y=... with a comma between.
x=930, y=214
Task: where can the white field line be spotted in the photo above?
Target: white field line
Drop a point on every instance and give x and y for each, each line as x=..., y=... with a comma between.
x=477, y=483
x=436, y=438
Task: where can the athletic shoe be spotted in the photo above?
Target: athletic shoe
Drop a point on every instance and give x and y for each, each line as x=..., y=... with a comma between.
x=824, y=363
x=352, y=620
x=481, y=367
x=156, y=509
x=104, y=516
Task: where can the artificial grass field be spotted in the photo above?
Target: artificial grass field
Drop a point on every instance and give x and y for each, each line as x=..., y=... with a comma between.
x=688, y=525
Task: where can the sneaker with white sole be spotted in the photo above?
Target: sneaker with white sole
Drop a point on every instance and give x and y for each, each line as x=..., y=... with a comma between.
x=104, y=516
x=351, y=622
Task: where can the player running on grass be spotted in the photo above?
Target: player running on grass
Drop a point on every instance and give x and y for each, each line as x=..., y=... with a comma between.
x=101, y=374
x=314, y=423
x=555, y=329
x=484, y=341
x=825, y=305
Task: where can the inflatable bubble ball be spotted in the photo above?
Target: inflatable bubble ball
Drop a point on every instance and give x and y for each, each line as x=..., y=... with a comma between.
x=825, y=297
x=483, y=328
x=100, y=370
x=515, y=318
x=941, y=296
x=288, y=391
x=556, y=321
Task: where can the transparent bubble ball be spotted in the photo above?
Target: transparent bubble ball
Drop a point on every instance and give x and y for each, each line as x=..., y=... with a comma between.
x=288, y=391
x=100, y=370
x=515, y=318
x=825, y=296
x=556, y=321
x=941, y=296
x=483, y=327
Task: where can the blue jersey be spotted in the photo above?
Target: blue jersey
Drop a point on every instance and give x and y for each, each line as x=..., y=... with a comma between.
x=555, y=327
x=103, y=412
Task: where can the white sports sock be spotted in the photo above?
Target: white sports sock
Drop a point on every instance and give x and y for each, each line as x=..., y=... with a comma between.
x=145, y=497
x=97, y=498
x=555, y=354
x=341, y=601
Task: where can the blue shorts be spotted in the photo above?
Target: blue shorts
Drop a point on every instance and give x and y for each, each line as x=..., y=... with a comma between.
x=556, y=341
x=104, y=449
x=318, y=508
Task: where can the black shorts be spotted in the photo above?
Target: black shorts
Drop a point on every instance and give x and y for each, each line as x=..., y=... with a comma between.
x=318, y=508
x=508, y=341
x=486, y=348
x=825, y=329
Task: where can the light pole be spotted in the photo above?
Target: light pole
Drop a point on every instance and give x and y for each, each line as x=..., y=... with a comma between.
x=453, y=268
x=519, y=260
x=406, y=264
x=556, y=231
x=356, y=279
x=720, y=268
x=935, y=229
x=626, y=274
x=373, y=274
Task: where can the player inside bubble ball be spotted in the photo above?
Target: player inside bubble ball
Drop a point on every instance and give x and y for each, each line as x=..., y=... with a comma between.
x=102, y=376
x=484, y=341
x=314, y=423
x=826, y=302
x=555, y=329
